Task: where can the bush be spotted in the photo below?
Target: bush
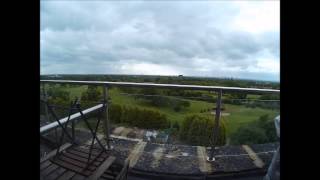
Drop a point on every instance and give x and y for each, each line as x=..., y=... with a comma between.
x=249, y=135
x=175, y=103
x=59, y=97
x=129, y=90
x=267, y=124
x=115, y=112
x=177, y=108
x=90, y=97
x=176, y=125
x=142, y=118
x=264, y=105
x=198, y=130
x=259, y=132
x=270, y=97
x=58, y=93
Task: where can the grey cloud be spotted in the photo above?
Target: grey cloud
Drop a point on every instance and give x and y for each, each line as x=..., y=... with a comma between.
x=84, y=37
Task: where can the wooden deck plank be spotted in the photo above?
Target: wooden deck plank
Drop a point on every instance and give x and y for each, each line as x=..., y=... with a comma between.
x=102, y=178
x=108, y=176
x=55, y=174
x=72, y=167
x=101, y=169
x=78, y=177
x=45, y=164
x=66, y=175
x=48, y=170
x=112, y=173
x=76, y=163
x=52, y=153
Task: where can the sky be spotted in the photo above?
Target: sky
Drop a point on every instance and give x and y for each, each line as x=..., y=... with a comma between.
x=233, y=39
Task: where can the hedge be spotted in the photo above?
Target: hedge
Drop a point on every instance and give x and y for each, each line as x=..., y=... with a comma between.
x=142, y=118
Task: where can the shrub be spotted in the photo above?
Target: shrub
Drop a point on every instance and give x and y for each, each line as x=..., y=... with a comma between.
x=177, y=108
x=91, y=94
x=267, y=124
x=249, y=135
x=59, y=97
x=142, y=118
x=198, y=130
x=158, y=101
x=115, y=112
x=258, y=132
x=270, y=97
x=176, y=125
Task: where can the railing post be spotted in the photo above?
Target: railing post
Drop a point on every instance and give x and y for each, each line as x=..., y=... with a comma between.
x=106, y=119
x=216, y=125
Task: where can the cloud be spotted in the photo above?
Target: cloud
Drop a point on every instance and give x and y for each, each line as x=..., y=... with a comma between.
x=161, y=38
x=257, y=17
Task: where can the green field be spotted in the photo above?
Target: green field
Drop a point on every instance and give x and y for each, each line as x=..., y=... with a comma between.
x=239, y=114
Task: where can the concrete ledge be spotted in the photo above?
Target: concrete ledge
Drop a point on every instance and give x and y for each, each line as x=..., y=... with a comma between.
x=256, y=160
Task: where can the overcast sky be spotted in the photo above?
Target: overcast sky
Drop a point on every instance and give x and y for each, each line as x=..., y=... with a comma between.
x=238, y=39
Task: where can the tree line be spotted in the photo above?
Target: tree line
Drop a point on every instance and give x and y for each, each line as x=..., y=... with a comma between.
x=138, y=117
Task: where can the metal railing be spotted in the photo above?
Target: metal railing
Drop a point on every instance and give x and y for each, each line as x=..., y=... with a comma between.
x=174, y=86
x=71, y=117
x=219, y=89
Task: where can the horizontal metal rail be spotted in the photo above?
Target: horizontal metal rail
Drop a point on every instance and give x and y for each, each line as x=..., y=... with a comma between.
x=154, y=85
x=73, y=117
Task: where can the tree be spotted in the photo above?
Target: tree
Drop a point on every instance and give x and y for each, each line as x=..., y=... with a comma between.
x=179, y=104
x=267, y=124
x=198, y=130
x=59, y=97
x=90, y=96
x=176, y=125
x=115, y=112
x=249, y=135
x=138, y=117
x=258, y=132
x=270, y=97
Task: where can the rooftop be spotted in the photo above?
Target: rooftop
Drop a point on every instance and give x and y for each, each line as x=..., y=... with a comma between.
x=170, y=161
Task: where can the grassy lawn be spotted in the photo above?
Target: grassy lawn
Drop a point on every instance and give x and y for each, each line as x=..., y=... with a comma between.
x=239, y=114
x=195, y=106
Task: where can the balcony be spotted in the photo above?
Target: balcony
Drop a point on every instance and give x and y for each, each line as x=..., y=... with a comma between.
x=161, y=158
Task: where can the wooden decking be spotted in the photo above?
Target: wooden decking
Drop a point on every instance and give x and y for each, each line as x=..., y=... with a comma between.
x=71, y=163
